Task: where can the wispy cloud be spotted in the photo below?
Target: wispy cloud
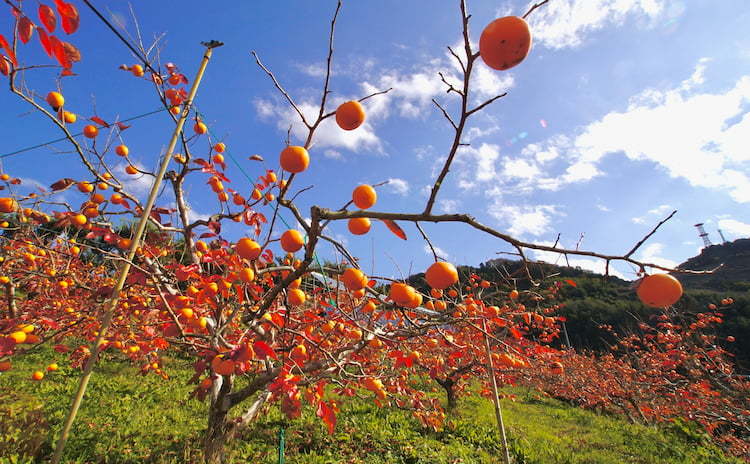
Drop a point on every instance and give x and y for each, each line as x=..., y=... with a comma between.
x=398, y=186
x=567, y=23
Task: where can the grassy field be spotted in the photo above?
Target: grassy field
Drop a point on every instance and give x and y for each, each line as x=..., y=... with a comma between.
x=127, y=418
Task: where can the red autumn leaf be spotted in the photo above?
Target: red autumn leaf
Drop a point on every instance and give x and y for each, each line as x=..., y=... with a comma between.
x=256, y=158
x=4, y=68
x=61, y=348
x=515, y=333
x=69, y=15
x=74, y=55
x=328, y=415
x=46, y=44
x=395, y=228
x=207, y=235
x=59, y=51
x=122, y=126
x=67, y=72
x=4, y=44
x=62, y=184
x=99, y=121
x=25, y=29
x=571, y=283
x=263, y=350
x=47, y=17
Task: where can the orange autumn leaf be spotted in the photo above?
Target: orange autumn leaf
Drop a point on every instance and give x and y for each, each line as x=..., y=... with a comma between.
x=47, y=17
x=395, y=228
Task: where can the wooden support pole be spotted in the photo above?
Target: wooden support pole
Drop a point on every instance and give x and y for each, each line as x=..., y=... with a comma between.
x=495, y=395
x=111, y=303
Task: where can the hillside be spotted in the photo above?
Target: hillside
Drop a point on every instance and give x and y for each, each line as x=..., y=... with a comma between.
x=596, y=299
x=127, y=418
x=734, y=273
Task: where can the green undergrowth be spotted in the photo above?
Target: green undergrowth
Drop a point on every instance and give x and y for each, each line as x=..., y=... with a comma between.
x=129, y=418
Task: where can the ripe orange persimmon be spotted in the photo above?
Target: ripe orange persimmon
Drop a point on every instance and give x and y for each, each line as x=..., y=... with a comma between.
x=5, y=366
x=130, y=169
x=247, y=274
x=55, y=100
x=354, y=279
x=247, y=248
x=292, y=241
x=359, y=226
x=513, y=294
x=364, y=196
x=122, y=150
x=220, y=147
x=350, y=115
x=37, y=375
x=137, y=70
x=53, y=367
x=67, y=117
x=200, y=128
x=659, y=290
x=18, y=336
x=401, y=294
x=79, y=219
x=294, y=159
x=8, y=205
x=295, y=297
x=85, y=187
x=90, y=131
x=441, y=275
x=415, y=302
x=505, y=42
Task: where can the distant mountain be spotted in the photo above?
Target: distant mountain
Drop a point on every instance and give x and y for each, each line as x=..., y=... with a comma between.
x=595, y=300
x=734, y=273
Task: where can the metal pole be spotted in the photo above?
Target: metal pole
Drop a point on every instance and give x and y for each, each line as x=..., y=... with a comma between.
x=495, y=396
x=111, y=303
x=282, y=443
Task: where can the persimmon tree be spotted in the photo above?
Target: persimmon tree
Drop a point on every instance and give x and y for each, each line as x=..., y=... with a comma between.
x=672, y=368
x=264, y=321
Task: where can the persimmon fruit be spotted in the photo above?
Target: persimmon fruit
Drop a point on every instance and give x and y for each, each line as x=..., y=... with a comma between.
x=248, y=248
x=350, y=115
x=294, y=159
x=55, y=100
x=90, y=131
x=441, y=275
x=292, y=240
x=659, y=290
x=354, y=279
x=505, y=42
x=364, y=196
x=359, y=226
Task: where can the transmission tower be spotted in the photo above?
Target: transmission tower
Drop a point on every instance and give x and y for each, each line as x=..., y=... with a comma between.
x=703, y=234
x=721, y=234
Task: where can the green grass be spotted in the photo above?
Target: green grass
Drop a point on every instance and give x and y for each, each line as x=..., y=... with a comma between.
x=127, y=418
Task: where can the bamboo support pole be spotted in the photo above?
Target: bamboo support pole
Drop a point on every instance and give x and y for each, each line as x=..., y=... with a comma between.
x=495, y=396
x=111, y=303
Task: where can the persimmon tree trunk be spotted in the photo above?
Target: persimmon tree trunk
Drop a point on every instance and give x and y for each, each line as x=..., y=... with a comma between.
x=10, y=293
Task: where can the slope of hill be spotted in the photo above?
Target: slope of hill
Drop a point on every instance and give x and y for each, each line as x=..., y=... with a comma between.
x=734, y=273
x=127, y=418
x=596, y=299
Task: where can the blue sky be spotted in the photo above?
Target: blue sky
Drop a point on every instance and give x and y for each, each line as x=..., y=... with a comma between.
x=624, y=111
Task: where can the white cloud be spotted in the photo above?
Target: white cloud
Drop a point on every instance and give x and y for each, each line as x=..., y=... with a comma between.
x=567, y=23
x=652, y=253
x=448, y=206
x=590, y=264
x=603, y=208
x=533, y=220
x=332, y=154
x=659, y=210
x=734, y=228
x=699, y=137
x=438, y=251
x=328, y=134
x=398, y=186
x=137, y=185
